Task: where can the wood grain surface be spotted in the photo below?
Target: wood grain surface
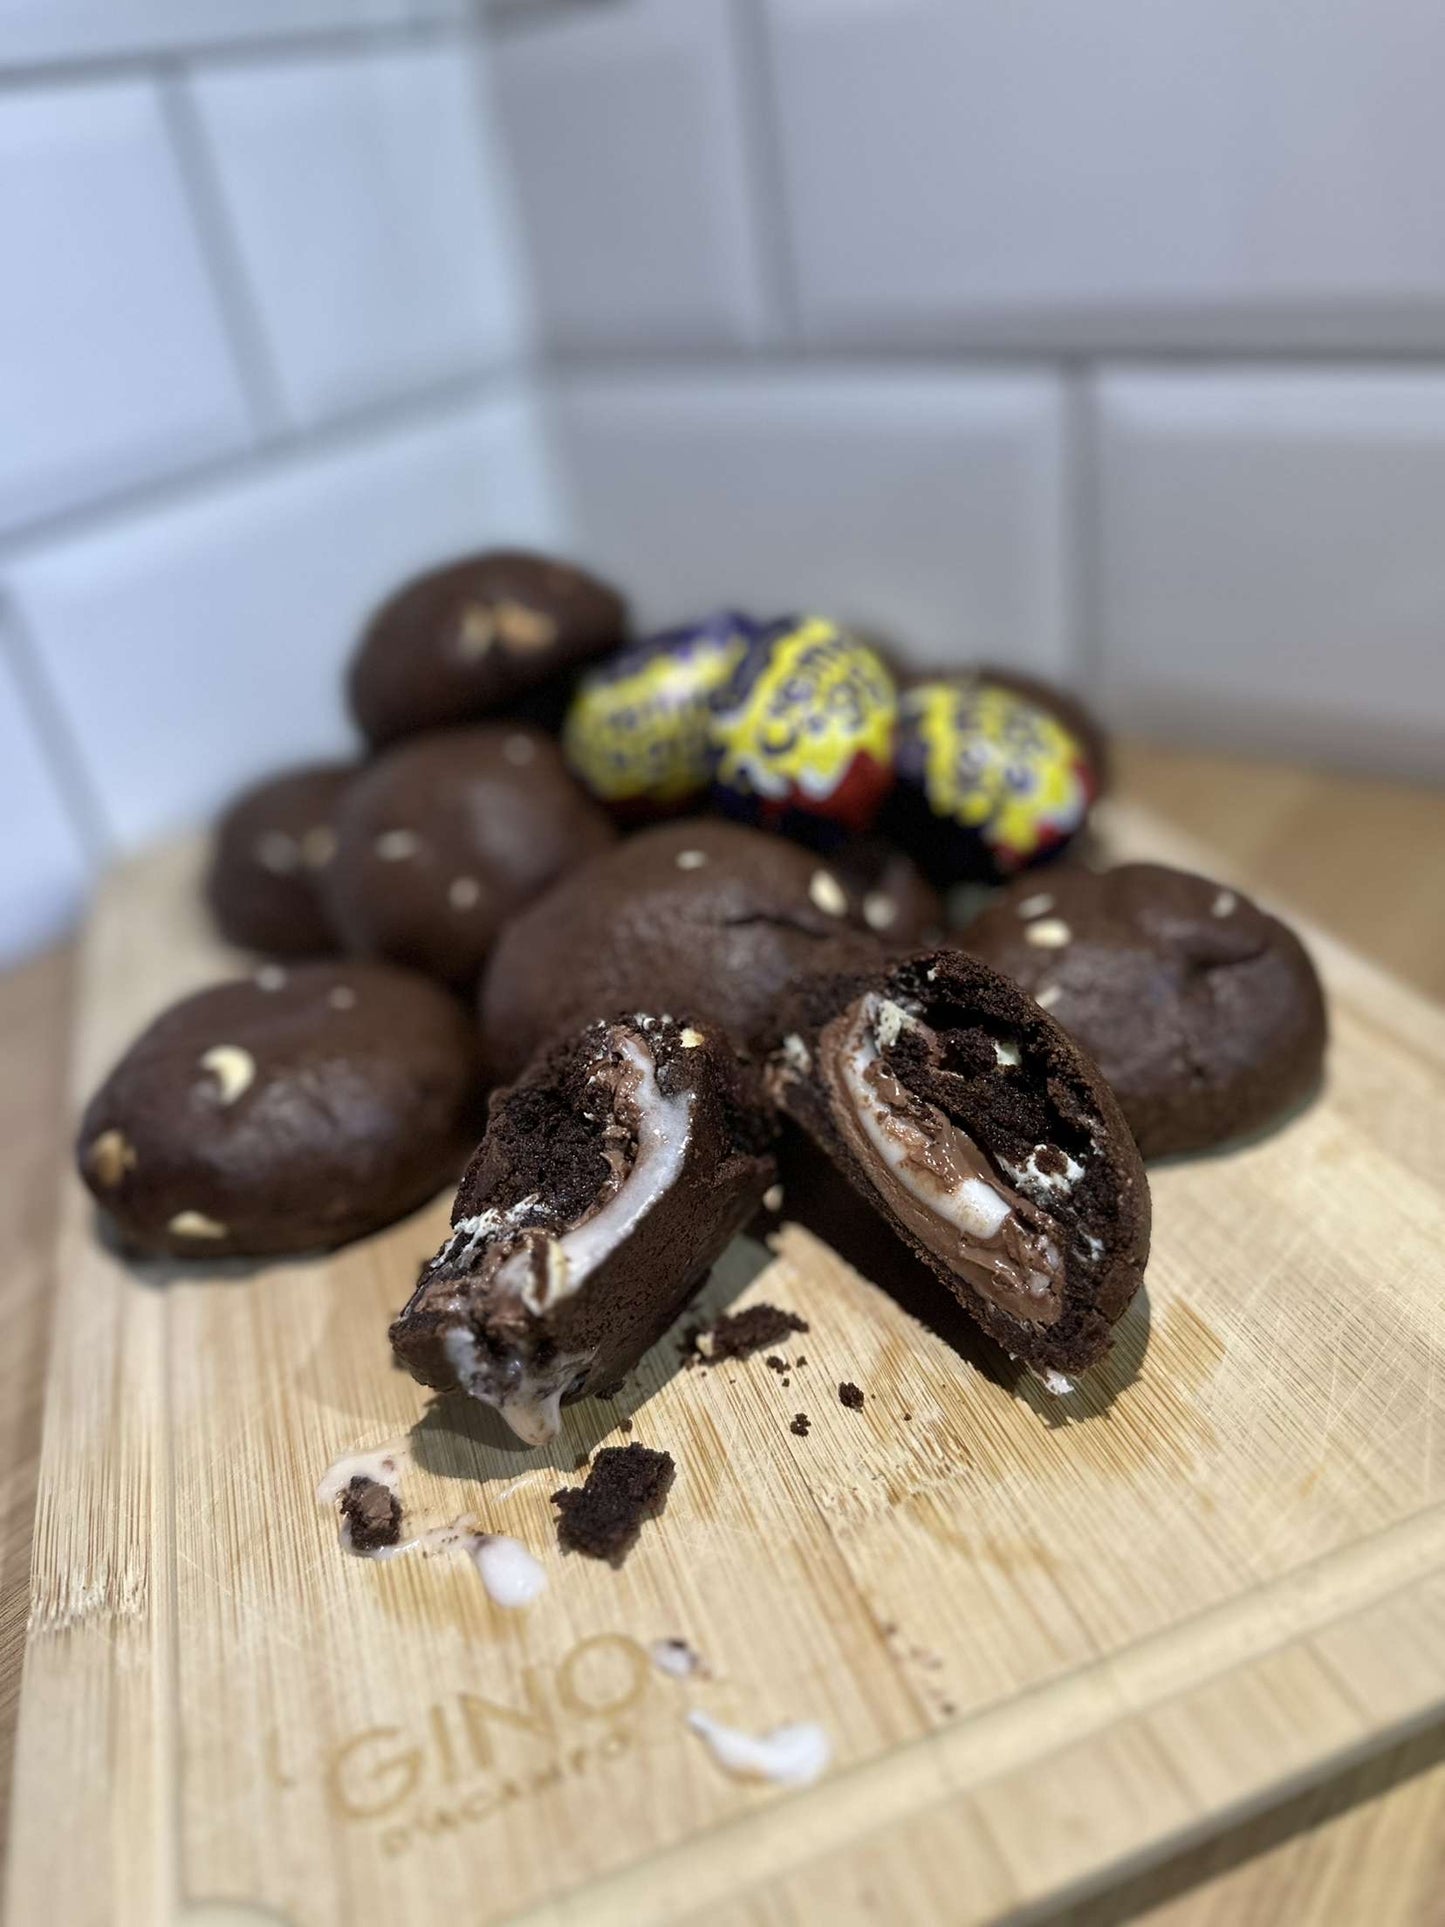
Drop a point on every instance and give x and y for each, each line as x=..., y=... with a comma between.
x=200, y=1351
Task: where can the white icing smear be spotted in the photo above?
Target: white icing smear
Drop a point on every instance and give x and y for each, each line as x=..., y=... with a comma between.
x=788, y=1756
x=1057, y=1383
x=381, y=1464
x=675, y=1658
x=509, y=1572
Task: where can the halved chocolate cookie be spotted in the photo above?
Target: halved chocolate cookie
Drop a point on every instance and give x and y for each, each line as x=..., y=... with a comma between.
x=985, y=1137
x=610, y=1179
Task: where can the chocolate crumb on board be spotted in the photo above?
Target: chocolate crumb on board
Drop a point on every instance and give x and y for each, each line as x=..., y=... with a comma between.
x=739, y=1334
x=370, y=1515
x=626, y=1485
x=851, y=1396
x=774, y=1363
x=800, y=1425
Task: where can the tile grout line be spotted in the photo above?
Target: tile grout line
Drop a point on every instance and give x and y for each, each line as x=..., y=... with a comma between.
x=54, y=738
x=1083, y=529
x=765, y=175
x=143, y=59
x=397, y=415
x=240, y=314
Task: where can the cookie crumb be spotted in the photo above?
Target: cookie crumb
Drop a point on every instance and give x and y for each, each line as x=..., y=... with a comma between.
x=800, y=1425
x=741, y=1333
x=774, y=1363
x=626, y=1485
x=851, y=1396
x=370, y=1515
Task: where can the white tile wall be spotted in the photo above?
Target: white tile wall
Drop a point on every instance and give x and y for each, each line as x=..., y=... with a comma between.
x=52, y=30
x=1127, y=172
x=625, y=128
x=369, y=218
x=192, y=647
x=114, y=364
x=1273, y=568
x=928, y=506
x=42, y=864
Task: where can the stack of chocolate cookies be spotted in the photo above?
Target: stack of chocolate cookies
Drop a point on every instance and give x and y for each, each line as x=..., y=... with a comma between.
x=676, y=905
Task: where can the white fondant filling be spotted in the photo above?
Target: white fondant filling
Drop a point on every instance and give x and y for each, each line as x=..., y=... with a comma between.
x=975, y=1207
x=663, y=1125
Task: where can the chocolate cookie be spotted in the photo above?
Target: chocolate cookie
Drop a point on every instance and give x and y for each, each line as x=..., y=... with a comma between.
x=888, y=893
x=609, y=1180
x=1204, y=1014
x=271, y=846
x=476, y=637
x=699, y=915
x=984, y=1136
x=446, y=836
x=285, y=1112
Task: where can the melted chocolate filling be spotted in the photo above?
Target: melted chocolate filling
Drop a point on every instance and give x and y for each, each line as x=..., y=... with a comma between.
x=934, y=1176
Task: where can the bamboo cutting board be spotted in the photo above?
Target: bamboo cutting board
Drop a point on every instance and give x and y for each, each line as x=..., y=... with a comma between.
x=1047, y=1641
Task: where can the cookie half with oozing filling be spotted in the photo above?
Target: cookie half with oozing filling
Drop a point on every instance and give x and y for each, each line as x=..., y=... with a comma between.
x=610, y=1178
x=985, y=1137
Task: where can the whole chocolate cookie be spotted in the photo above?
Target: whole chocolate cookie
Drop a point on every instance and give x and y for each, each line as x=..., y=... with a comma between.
x=1204, y=1014
x=285, y=1112
x=609, y=1180
x=985, y=1137
x=699, y=915
x=478, y=636
x=446, y=836
x=271, y=846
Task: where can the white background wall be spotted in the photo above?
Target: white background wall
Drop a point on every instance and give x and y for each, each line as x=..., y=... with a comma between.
x=262, y=353
x=1109, y=338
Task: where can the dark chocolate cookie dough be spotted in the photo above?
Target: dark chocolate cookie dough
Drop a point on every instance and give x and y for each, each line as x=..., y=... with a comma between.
x=701, y=915
x=284, y=1112
x=476, y=637
x=609, y=1180
x=446, y=836
x=984, y=1136
x=1204, y=1014
x=271, y=848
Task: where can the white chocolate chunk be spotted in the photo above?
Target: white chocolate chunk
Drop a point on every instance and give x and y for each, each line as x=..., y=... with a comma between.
x=318, y=846
x=464, y=893
x=1223, y=904
x=343, y=997
x=234, y=1069
x=395, y=846
x=1048, y=996
x=270, y=977
x=1036, y=906
x=1051, y=933
x=691, y=1039
x=880, y=912
x=278, y=853
x=827, y=894
x=1006, y=1053
x=195, y=1224
x=892, y=1020
x=690, y=859
x=109, y=1157
x=519, y=750
x=797, y=1054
